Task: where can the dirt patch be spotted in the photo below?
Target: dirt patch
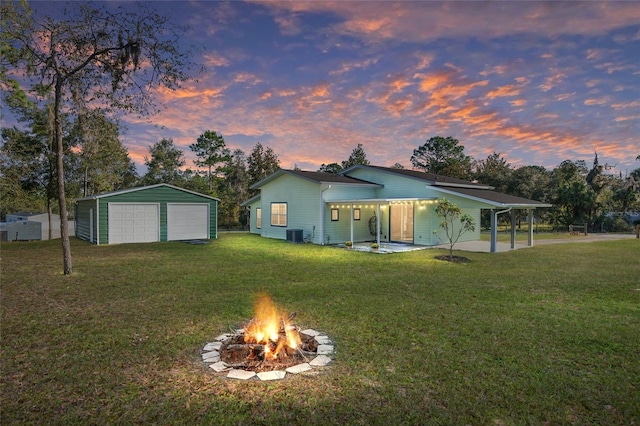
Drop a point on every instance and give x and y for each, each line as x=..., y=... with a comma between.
x=454, y=259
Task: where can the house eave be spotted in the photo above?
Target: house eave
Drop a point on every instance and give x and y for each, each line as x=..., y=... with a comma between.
x=380, y=200
x=493, y=203
x=461, y=185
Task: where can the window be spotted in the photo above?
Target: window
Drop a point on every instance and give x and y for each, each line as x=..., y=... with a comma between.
x=279, y=214
x=258, y=218
x=335, y=214
x=356, y=214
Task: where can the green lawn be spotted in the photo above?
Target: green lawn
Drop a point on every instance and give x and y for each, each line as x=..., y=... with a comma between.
x=545, y=335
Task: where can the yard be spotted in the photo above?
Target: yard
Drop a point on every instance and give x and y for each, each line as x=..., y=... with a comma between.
x=545, y=335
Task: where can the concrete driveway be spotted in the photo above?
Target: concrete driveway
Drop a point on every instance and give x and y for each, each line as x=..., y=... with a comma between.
x=485, y=246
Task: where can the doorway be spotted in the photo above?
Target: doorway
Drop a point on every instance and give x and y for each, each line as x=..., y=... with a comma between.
x=401, y=217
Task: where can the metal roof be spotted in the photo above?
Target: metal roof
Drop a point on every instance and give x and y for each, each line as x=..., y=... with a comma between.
x=318, y=177
x=141, y=188
x=494, y=198
x=430, y=178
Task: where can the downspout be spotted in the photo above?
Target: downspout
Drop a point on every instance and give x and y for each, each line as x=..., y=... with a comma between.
x=322, y=213
x=494, y=228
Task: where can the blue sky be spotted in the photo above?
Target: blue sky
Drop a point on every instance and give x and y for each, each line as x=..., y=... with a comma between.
x=537, y=82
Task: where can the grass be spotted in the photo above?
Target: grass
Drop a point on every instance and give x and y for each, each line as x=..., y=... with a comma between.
x=546, y=335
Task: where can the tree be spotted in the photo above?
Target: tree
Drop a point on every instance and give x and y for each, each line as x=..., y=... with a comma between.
x=163, y=164
x=454, y=222
x=210, y=150
x=331, y=168
x=105, y=162
x=29, y=166
x=193, y=181
x=494, y=171
x=532, y=182
x=90, y=58
x=443, y=156
x=358, y=156
x=573, y=197
x=626, y=193
x=26, y=171
x=234, y=189
x=261, y=163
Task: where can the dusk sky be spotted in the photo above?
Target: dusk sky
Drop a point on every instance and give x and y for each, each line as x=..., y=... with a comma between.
x=537, y=82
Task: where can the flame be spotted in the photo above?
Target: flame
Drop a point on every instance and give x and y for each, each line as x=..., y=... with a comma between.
x=265, y=329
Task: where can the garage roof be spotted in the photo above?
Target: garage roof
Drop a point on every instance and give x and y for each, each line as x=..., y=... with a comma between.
x=141, y=188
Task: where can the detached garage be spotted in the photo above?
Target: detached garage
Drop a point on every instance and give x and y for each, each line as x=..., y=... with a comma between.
x=147, y=214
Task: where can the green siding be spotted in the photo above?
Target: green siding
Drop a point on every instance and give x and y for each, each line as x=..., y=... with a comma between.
x=309, y=207
x=156, y=195
x=83, y=219
x=427, y=229
x=303, y=200
x=253, y=229
x=340, y=231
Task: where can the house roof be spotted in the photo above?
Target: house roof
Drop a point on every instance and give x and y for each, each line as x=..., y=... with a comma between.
x=317, y=177
x=250, y=200
x=142, y=188
x=443, y=184
x=466, y=189
x=430, y=178
x=494, y=198
x=26, y=214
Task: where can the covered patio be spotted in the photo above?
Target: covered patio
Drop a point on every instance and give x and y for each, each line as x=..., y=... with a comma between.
x=498, y=203
x=380, y=204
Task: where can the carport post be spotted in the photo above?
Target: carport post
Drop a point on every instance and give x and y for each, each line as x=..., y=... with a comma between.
x=513, y=229
x=530, y=232
x=378, y=224
x=494, y=230
x=351, y=236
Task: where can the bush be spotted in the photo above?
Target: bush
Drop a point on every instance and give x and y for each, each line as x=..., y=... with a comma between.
x=617, y=224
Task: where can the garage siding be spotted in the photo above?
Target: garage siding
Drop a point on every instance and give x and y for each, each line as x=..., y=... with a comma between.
x=83, y=220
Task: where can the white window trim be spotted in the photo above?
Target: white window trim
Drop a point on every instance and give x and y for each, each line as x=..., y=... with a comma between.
x=279, y=216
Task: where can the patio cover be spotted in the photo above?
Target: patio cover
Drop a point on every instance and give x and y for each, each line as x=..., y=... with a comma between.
x=496, y=201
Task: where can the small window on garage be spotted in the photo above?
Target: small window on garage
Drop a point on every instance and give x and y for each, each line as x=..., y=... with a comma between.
x=258, y=218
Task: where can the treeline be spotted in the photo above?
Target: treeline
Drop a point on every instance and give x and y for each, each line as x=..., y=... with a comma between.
x=580, y=194
x=97, y=162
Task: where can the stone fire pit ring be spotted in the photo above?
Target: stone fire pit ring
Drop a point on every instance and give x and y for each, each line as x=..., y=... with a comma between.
x=211, y=357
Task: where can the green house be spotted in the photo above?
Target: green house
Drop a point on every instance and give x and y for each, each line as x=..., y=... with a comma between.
x=369, y=203
x=146, y=214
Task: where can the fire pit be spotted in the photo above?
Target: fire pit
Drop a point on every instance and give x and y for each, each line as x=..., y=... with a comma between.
x=268, y=347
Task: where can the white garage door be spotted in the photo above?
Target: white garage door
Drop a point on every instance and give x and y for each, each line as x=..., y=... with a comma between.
x=187, y=221
x=134, y=223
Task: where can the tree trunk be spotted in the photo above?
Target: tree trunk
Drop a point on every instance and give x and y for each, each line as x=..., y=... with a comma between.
x=64, y=224
x=50, y=218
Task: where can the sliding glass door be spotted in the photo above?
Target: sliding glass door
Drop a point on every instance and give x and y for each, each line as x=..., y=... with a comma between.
x=402, y=223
